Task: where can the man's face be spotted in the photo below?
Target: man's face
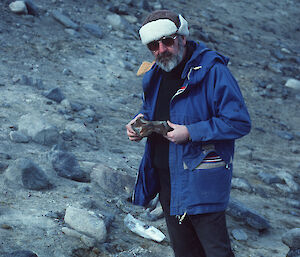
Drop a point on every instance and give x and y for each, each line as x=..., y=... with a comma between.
x=168, y=57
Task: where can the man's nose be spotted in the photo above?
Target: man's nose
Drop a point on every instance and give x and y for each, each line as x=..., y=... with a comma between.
x=161, y=47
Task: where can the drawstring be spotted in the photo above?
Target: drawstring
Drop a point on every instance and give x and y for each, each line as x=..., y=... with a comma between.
x=181, y=218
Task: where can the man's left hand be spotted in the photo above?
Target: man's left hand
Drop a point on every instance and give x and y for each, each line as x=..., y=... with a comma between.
x=179, y=134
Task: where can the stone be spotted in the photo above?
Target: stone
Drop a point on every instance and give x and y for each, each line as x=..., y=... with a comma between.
x=284, y=135
x=18, y=137
x=88, y=241
x=86, y=222
x=239, y=234
x=18, y=7
x=27, y=174
x=22, y=253
x=289, y=180
x=32, y=8
x=293, y=83
x=39, y=129
x=294, y=253
x=292, y=238
x=55, y=94
x=241, y=184
x=113, y=181
x=67, y=166
x=252, y=218
x=64, y=20
x=145, y=128
x=33, y=177
x=94, y=29
x=269, y=178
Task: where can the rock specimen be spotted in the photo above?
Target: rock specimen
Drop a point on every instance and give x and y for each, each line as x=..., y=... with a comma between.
x=144, y=128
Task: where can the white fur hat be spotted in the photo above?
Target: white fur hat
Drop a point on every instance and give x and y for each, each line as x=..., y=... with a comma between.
x=162, y=23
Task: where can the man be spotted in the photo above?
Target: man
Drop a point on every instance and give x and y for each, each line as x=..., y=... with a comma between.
x=191, y=167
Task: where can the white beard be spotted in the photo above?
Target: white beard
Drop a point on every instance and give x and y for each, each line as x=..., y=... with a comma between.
x=168, y=61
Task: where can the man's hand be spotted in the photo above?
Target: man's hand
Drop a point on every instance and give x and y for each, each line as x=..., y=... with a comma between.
x=179, y=134
x=132, y=135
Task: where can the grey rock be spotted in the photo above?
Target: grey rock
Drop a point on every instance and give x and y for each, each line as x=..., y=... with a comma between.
x=64, y=20
x=241, y=184
x=27, y=174
x=289, y=180
x=112, y=181
x=33, y=177
x=55, y=94
x=277, y=54
x=88, y=241
x=22, y=253
x=23, y=80
x=292, y=238
x=32, y=8
x=39, y=129
x=239, y=234
x=284, y=135
x=294, y=253
x=94, y=30
x=275, y=67
x=67, y=166
x=18, y=137
x=3, y=167
x=252, y=218
x=269, y=178
x=293, y=203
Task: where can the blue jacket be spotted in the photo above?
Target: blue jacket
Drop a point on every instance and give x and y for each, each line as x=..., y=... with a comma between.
x=211, y=105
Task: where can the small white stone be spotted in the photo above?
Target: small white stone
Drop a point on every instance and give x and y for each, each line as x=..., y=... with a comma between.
x=293, y=83
x=18, y=7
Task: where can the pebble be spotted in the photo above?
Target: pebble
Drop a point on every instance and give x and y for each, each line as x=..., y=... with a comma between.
x=64, y=20
x=18, y=7
x=241, y=184
x=292, y=238
x=293, y=83
x=55, y=94
x=22, y=253
x=18, y=137
x=269, y=178
x=94, y=29
x=239, y=234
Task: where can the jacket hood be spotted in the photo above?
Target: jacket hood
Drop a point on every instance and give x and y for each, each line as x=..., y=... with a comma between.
x=203, y=56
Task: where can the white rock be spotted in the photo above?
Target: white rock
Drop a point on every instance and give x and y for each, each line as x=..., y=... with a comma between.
x=143, y=229
x=86, y=222
x=88, y=241
x=293, y=83
x=18, y=7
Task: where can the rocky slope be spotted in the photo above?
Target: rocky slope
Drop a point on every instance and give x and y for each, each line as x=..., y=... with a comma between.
x=68, y=86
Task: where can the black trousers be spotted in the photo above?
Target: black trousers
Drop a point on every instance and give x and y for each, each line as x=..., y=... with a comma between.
x=202, y=235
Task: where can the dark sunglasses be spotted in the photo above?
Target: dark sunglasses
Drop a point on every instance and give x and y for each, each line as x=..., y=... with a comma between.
x=167, y=41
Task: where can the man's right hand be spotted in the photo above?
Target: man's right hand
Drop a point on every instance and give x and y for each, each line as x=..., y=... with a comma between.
x=132, y=135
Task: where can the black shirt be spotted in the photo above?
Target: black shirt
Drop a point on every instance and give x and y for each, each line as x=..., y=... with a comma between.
x=170, y=83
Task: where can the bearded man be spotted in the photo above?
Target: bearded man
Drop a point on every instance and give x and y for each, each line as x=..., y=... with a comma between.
x=190, y=167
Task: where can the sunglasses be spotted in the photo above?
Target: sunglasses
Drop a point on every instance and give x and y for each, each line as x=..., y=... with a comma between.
x=167, y=41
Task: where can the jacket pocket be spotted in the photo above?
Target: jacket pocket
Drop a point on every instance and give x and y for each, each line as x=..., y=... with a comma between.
x=194, y=157
x=208, y=186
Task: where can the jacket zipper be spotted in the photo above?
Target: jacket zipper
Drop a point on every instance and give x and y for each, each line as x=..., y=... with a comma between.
x=181, y=90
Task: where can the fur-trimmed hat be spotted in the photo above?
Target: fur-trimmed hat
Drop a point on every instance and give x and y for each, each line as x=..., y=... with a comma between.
x=162, y=23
